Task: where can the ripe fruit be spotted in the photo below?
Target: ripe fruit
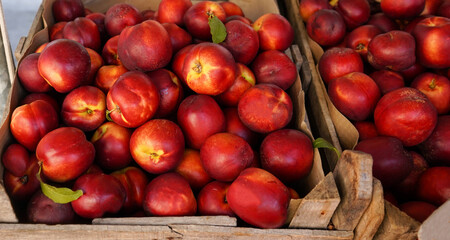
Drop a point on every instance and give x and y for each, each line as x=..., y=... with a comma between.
x=169, y=194
x=178, y=36
x=387, y=80
x=67, y=10
x=21, y=168
x=391, y=163
x=170, y=91
x=287, y=154
x=359, y=38
x=134, y=181
x=434, y=185
x=64, y=64
x=308, y=7
x=102, y=194
x=172, y=11
x=196, y=18
x=212, y=199
x=274, y=32
x=427, y=33
x=84, y=31
x=274, y=67
x=265, y=108
x=157, y=146
x=120, y=16
x=112, y=146
x=199, y=116
x=225, y=155
x=29, y=76
x=242, y=51
x=344, y=90
x=337, y=62
x=402, y=9
x=436, y=88
x=326, y=27
x=436, y=149
x=209, y=69
x=259, y=198
x=354, y=12
x=84, y=108
x=394, y=50
x=65, y=154
x=41, y=209
x=145, y=46
x=245, y=79
x=418, y=210
x=132, y=100
x=30, y=122
x=191, y=168
x=406, y=114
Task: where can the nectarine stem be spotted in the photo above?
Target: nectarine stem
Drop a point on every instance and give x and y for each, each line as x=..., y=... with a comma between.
x=432, y=85
x=110, y=111
x=197, y=68
x=333, y=3
x=24, y=179
x=210, y=14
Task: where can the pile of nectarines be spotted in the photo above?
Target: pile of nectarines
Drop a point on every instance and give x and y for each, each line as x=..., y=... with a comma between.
x=386, y=66
x=147, y=113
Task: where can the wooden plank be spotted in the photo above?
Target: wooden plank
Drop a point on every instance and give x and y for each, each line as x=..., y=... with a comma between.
x=123, y=232
x=36, y=26
x=373, y=216
x=353, y=175
x=162, y=221
x=7, y=58
x=292, y=209
x=437, y=225
x=301, y=122
x=397, y=225
x=317, y=208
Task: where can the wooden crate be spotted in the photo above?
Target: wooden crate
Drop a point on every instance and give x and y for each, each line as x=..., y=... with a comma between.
x=333, y=126
x=326, y=212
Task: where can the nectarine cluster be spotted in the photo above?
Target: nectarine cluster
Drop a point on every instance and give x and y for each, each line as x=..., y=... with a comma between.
x=386, y=67
x=158, y=117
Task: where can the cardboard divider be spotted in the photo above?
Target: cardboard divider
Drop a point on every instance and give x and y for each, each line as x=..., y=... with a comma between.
x=342, y=127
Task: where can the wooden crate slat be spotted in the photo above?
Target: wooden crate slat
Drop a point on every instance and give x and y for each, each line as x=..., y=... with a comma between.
x=123, y=232
x=353, y=175
x=162, y=221
x=373, y=216
x=317, y=208
x=396, y=225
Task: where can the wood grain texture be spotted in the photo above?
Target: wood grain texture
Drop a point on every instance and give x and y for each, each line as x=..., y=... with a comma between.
x=123, y=232
x=317, y=208
x=397, y=225
x=353, y=175
x=373, y=216
x=162, y=221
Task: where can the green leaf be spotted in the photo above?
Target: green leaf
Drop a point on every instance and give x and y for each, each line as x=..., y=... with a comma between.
x=218, y=30
x=322, y=143
x=60, y=195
